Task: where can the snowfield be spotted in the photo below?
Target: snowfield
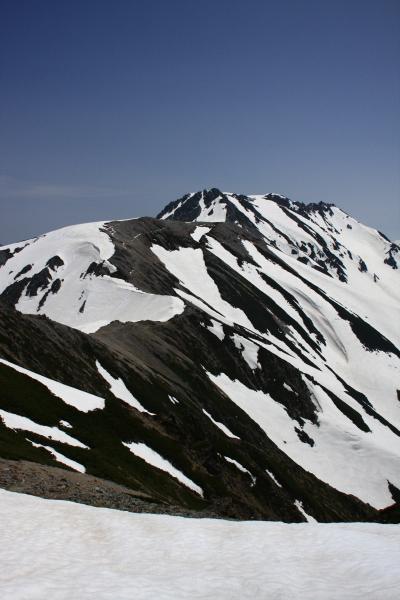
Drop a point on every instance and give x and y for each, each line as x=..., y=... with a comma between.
x=64, y=551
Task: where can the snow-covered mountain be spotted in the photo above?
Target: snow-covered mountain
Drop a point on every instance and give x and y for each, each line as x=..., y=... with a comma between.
x=238, y=354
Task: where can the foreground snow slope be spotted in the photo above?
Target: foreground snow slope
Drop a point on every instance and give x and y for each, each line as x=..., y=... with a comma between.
x=62, y=550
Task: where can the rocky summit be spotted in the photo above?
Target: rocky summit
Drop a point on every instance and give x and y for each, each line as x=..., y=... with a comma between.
x=237, y=356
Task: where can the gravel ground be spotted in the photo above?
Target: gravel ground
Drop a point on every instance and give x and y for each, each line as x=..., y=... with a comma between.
x=59, y=484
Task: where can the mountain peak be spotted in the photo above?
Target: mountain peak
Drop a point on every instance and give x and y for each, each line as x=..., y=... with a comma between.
x=215, y=205
x=191, y=206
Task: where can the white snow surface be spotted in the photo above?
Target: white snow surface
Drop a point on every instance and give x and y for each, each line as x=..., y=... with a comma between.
x=80, y=400
x=217, y=329
x=153, y=458
x=199, y=232
x=63, y=551
x=216, y=212
x=86, y=303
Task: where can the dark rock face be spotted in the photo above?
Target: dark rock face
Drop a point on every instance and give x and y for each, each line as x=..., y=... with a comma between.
x=189, y=213
x=97, y=269
x=39, y=281
x=54, y=262
x=187, y=208
x=362, y=266
x=12, y=293
x=4, y=256
x=23, y=271
x=393, y=252
x=54, y=288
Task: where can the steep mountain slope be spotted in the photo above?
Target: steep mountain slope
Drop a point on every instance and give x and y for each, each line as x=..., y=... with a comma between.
x=243, y=350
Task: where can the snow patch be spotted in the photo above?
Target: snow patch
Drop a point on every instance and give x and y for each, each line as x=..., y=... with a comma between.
x=274, y=479
x=309, y=518
x=119, y=389
x=199, y=232
x=214, y=213
x=217, y=329
x=248, y=349
x=52, y=433
x=154, y=459
x=82, y=401
x=61, y=458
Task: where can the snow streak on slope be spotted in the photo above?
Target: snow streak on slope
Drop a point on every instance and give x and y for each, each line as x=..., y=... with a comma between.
x=80, y=400
x=66, y=275
x=220, y=426
x=61, y=458
x=103, y=554
x=52, y=433
x=241, y=468
x=119, y=389
x=153, y=458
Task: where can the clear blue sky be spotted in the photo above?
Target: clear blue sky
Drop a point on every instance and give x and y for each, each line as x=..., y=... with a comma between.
x=112, y=108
